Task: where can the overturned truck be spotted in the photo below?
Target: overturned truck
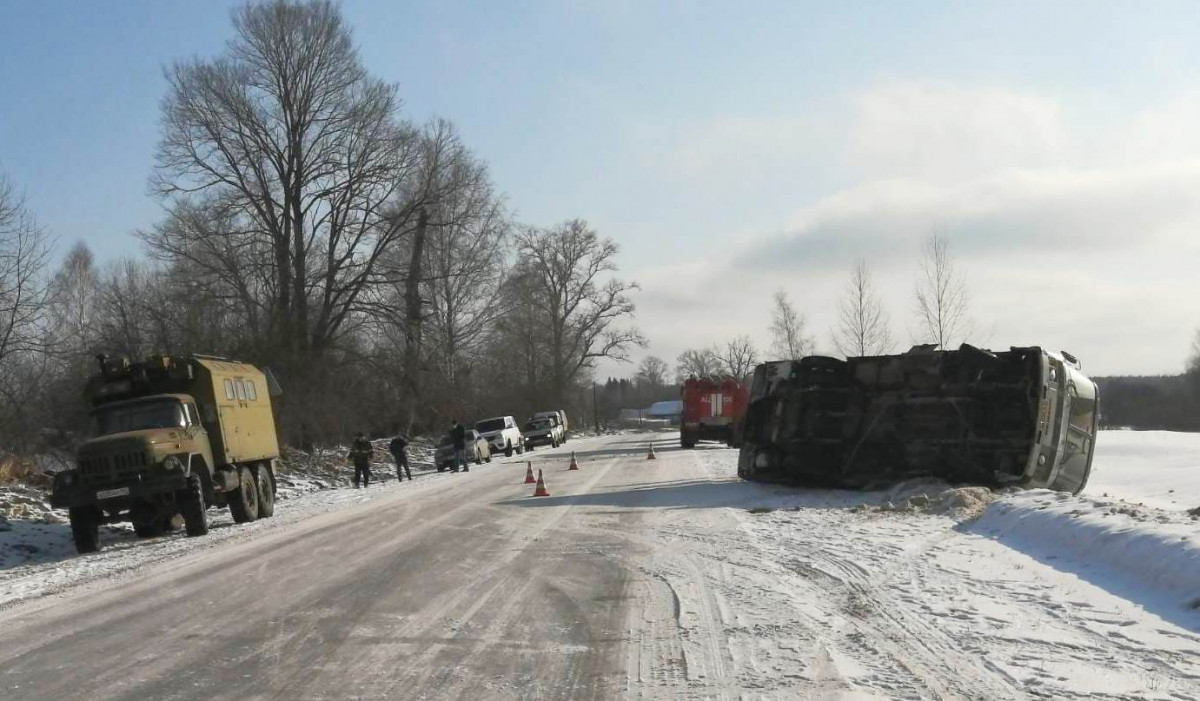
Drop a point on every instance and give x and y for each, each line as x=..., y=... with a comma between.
x=1023, y=417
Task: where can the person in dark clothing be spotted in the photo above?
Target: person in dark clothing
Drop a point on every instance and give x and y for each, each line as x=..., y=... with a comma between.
x=396, y=448
x=360, y=454
x=459, y=436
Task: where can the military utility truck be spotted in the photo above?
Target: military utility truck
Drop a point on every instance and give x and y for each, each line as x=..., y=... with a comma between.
x=1023, y=417
x=174, y=435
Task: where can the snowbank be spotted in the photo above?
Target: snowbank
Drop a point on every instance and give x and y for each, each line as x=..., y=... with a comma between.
x=1148, y=555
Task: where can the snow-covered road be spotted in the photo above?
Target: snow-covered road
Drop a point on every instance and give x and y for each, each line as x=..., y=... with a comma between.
x=644, y=579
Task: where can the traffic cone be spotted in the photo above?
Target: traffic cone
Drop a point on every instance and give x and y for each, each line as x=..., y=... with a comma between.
x=529, y=479
x=574, y=464
x=651, y=455
x=540, y=490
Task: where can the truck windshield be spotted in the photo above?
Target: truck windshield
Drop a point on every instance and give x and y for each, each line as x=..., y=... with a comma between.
x=158, y=413
x=490, y=425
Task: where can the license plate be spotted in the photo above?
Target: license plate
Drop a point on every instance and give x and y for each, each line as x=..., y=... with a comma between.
x=113, y=493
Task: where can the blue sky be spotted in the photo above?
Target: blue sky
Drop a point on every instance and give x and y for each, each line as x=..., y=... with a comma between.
x=709, y=137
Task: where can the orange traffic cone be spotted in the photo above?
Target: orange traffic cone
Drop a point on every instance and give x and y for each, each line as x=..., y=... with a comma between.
x=651, y=455
x=529, y=479
x=540, y=490
x=574, y=464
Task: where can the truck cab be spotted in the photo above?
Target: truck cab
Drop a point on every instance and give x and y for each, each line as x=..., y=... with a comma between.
x=172, y=436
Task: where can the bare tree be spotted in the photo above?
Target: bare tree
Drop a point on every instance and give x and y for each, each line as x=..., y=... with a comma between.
x=1193, y=362
x=652, y=372
x=75, y=295
x=24, y=255
x=787, y=330
x=579, y=300
x=738, y=357
x=285, y=171
x=942, y=302
x=699, y=363
x=862, y=321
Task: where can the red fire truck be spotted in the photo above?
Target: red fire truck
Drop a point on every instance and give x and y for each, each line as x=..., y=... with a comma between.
x=712, y=410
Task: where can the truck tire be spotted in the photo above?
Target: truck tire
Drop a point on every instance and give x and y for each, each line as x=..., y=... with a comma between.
x=266, y=491
x=746, y=458
x=687, y=440
x=85, y=528
x=243, y=501
x=146, y=529
x=193, y=508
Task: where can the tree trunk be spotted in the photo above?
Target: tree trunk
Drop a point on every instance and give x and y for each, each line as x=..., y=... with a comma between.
x=412, y=325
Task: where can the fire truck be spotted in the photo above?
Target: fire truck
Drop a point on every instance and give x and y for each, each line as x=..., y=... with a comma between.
x=712, y=411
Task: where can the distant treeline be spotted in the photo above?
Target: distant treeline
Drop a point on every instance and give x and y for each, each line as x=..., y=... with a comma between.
x=1166, y=402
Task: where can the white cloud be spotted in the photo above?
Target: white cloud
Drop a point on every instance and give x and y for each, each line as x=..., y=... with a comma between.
x=1072, y=234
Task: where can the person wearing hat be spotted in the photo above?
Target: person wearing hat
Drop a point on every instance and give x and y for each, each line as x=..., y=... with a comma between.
x=360, y=454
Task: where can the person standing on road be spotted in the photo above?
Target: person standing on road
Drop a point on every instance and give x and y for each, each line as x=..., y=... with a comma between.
x=396, y=448
x=459, y=436
x=360, y=454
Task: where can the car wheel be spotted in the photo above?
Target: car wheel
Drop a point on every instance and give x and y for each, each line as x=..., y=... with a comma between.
x=85, y=528
x=478, y=457
x=508, y=450
x=243, y=501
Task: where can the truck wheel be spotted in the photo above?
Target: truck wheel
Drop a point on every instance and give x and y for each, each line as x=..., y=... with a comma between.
x=146, y=530
x=193, y=508
x=243, y=501
x=266, y=491
x=508, y=449
x=746, y=458
x=85, y=528
x=687, y=440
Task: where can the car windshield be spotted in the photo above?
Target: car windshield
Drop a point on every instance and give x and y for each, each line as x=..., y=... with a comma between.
x=490, y=425
x=538, y=425
x=158, y=413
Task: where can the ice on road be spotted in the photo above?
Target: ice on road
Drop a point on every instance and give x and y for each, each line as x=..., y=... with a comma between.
x=655, y=579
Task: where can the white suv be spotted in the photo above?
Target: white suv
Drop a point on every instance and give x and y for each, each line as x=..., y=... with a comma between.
x=502, y=435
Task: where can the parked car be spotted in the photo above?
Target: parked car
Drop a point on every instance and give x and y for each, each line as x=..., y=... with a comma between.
x=561, y=416
x=502, y=435
x=543, y=430
x=477, y=449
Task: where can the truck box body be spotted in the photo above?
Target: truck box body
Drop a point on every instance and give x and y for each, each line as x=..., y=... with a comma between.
x=712, y=410
x=1018, y=417
x=232, y=397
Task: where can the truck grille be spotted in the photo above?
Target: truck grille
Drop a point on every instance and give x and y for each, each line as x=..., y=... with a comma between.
x=119, y=467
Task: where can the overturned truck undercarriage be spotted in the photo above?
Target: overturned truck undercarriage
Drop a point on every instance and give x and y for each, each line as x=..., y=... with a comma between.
x=1021, y=417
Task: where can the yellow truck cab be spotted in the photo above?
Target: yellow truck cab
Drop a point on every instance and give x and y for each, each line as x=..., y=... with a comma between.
x=174, y=435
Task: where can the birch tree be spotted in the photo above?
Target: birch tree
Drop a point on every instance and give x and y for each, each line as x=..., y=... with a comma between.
x=789, y=341
x=862, y=322
x=942, y=301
